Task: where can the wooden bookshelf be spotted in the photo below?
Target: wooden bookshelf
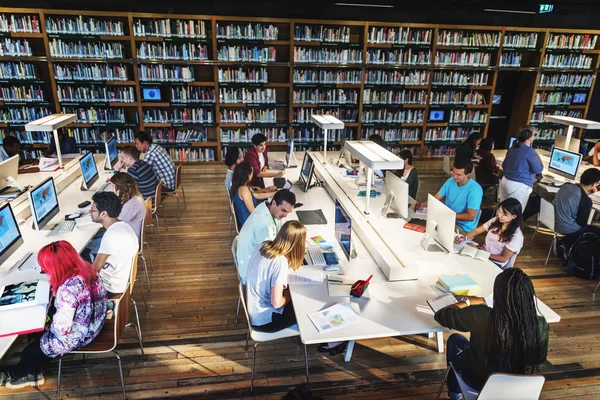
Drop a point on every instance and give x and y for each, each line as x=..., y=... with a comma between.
x=222, y=79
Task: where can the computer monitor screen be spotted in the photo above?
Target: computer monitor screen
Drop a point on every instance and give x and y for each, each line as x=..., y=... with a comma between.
x=579, y=98
x=560, y=141
x=88, y=170
x=398, y=189
x=511, y=142
x=151, y=94
x=306, y=173
x=564, y=163
x=112, y=155
x=436, y=115
x=10, y=235
x=9, y=167
x=440, y=223
x=44, y=203
x=289, y=151
x=497, y=99
x=343, y=229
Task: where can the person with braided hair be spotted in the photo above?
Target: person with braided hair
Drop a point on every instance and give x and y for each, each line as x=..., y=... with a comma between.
x=509, y=338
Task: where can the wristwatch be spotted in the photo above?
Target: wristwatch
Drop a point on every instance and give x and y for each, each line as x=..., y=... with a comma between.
x=466, y=300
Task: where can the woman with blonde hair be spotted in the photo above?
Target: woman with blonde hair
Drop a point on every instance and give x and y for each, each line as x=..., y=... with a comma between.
x=134, y=209
x=269, y=303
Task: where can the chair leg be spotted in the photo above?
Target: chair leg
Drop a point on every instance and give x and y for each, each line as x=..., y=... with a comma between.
x=146, y=271
x=443, y=382
x=183, y=195
x=157, y=231
x=137, y=315
x=306, y=363
x=178, y=215
x=550, y=251
x=253, y=364
x=598, y=285
x=237, y=313
x=149, y=255
x=144, y=296
x=58, y=383
x=537, y=228
x=138, y=332
x=121, y=373
x=164, y=217
x=247, y=338
x=230, y=229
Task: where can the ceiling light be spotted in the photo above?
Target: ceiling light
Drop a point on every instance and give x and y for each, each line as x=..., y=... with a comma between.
x=364, y=5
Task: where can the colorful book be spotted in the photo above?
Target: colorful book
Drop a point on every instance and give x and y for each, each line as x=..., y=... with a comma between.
x=458, y=284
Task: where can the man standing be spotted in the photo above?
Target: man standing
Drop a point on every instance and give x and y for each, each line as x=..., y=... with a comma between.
x=139, y=170
x=257, y=157
x=263, y=224
x=157, y=157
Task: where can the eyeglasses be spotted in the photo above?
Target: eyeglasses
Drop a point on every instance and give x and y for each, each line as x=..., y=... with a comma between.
x=93, y=210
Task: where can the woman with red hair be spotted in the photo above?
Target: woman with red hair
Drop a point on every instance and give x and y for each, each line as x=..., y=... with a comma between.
x=80, y=303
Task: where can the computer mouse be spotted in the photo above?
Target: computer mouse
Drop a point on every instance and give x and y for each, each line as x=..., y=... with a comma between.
x=331, y=268
x=74, y=215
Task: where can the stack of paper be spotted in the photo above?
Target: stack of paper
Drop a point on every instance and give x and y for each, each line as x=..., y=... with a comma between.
x=461, y=285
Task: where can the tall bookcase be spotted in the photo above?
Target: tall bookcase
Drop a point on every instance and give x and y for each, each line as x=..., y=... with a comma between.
x=202, y=83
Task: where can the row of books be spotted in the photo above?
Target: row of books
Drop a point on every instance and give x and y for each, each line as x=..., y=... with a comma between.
x=192, y=155
x=243, y=53
x=327, y=55
x=458, y=78
x=372, y=96
x=571, y=41
x=521, y=40
x=93, y=115
x=249, y=31
x=538, y=116
x=447, y=134
x=245, y=135
x=192, y=94
x=23, y=93
x=28, y=137
x=15, y=48
x=400, y=35
x=457, y=97
x=95, y=93
x=17, y=70
x=177, y=135
x=320, y=33
x=567, y=61
x=23, y=114
x=393, y=134
x=30, y=154
x=178, y=115
x=246, y=95
x=465, y=59
x=439, y=151
x=468, y=116
x=553, y=98
x=90, y=72
x=165, y=73
x=69, y=49
x=301, y=114
x=566, y=80
x=248, y=75
x=327, y=76
x=19, y=23
x=172, y=51
x=180, y=28
x=511, y=59
x=399, y=56
x=84, y=25
x=396, y=77
x=315, y=134
x=325, y=96
x=251, y=115
x=466, y=38
x=96, y=136
x=391, y=116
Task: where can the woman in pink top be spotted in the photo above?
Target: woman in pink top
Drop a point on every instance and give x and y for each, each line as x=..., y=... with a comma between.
x=504, y=233
x=134, y=209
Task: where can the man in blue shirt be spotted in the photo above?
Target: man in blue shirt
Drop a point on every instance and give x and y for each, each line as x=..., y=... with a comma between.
x=462, y=195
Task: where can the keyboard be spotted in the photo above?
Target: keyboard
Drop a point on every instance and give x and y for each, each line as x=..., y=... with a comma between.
x=28, y=263
x=316, y=256
x=64, y=227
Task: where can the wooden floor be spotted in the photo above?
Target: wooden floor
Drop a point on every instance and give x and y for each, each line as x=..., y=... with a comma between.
x=194, y=349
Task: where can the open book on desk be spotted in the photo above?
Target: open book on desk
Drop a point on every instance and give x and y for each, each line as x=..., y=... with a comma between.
x=477, y=254
x=23, y=307
x=441, y=301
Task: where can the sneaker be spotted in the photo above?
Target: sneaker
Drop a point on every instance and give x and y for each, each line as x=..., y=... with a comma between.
x=29, y=380
x=4, y=377
x=454, y=395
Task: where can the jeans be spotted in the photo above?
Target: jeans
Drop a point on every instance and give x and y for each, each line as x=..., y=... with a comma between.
x=33, y=360
x=455, y=350
x=279, y=321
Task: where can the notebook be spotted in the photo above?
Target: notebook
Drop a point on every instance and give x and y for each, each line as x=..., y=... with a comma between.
x=311, y=217
x=457, y=284
x=477, y=254
x=444, y=300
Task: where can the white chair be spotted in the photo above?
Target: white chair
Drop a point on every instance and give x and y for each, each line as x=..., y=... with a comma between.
x=177, y=187
x=511, y=261
x=235, y=264
x=512, y=387
x=467, y=391
x=546, y=218
x=446, y=167
x=259, y=337
x=232, y=217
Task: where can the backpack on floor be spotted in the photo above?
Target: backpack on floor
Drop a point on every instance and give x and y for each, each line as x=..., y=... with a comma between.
x=583, y=259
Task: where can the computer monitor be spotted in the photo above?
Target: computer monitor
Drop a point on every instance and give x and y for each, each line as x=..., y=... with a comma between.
x=306, y=173
x=290, y=157
x=343, y=229
x=436, y=115
x=564, y=163
x=112, y=155
x=511, y=141
x=441, y=222
x=9, y=167
x=10, y=234
x=497, y=99
x=88, y=170
x=560, y=141
x=44, y=203
x=151, y=94
x=396, y=191
x=579, y=98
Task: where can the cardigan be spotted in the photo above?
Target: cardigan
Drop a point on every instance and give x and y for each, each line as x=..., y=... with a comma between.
x=251, y=157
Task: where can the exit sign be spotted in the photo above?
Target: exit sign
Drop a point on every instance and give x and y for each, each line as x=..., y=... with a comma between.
x=546, y=8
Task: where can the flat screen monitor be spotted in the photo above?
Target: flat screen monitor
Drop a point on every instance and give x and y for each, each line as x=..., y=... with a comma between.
x=88, y=170
x=343, y=229
x=9, y=167
x=44, y=203
x=440, y=224
x=436, y=115
x=396, y=191
x=306, y=173
x=560, y=141
x=564, y=163
x=579, y=98
x=151, y=94
x=497, y=99
x=10, y=235
x=290, y=159
x=112, y=155
x=511, y=142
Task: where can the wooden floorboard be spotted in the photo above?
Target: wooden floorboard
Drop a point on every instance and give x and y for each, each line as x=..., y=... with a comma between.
x=195, y=351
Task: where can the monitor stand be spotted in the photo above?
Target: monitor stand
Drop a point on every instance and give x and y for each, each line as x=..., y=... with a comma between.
x=428, y=243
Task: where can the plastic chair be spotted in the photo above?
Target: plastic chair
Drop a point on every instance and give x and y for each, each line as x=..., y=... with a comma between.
x=511, y=261
x=232, y=217
x=177, y=187
x=142, y=242
x=235, y=264
x=259, y=337
x=446, y=167
x=467, y=391
x=512, y=387
x=546, y=218
x=157, y=205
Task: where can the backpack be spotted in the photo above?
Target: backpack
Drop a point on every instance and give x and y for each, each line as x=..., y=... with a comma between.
x=583, y=259
x=301, y=392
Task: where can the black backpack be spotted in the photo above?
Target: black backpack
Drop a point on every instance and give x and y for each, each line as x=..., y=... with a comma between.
x=583, y=259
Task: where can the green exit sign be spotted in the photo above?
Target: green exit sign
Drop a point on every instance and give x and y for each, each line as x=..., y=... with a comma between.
x=546, y=8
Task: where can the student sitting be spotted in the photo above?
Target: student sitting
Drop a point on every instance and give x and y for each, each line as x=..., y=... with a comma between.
x=160, y=161
x=485, y=163
x=68, y=145
x=134, y=210
x=139, y=170
x=270, y=306
x=409, y=173
x=257, y=157
x=11, y=146
x=504, y=233
x=233, y=157
x=243, y=198
x=263, y=224
x=467, y=148
x=80, y=310
x=462, y=195
x=118, y=246
x=508, y=338
x=594, y=155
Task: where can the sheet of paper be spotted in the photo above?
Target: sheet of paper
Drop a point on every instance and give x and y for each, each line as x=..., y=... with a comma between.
x=48, y=164
x=306, y=277
x=338, y=316
x=339, y=289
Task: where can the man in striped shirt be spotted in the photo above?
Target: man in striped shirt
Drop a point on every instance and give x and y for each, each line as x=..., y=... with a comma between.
x=158, y=158
x=139, y=170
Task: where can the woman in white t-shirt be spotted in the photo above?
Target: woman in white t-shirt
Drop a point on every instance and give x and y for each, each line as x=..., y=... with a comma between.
x=269, y=303
x=504, y=233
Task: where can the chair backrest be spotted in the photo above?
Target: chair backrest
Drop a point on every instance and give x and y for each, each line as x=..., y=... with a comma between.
x=235, y=220
x=511, y=261
x=157, y=196
x=468, y=392
x=473, y=174
x=242, y=290
x=547, y=214
x=446, y=165
x=149, y=210
x=123, y=311
x=418, y=190
x=234, y=254
x=512, y=387
x=133, y=273
x=178, y=176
